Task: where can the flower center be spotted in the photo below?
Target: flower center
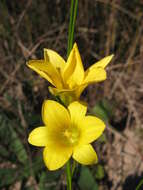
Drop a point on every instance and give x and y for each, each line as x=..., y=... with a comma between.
x=71, y=135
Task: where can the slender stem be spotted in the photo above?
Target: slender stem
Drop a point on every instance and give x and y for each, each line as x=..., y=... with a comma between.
x=68, y=170
x=73, y=168
x=73, y=13
x=70, y=26
x=73, y=25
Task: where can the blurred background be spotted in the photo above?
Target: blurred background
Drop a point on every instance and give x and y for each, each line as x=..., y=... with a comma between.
x=103, y=27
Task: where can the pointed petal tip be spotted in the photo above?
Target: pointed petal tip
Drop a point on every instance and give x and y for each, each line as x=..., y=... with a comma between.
x=111, y=56
x=75, y=44
x=28, y=63
x=109, y=59
x=45, y=49
x=31, y=63
x=75, y=47
x=103, y=62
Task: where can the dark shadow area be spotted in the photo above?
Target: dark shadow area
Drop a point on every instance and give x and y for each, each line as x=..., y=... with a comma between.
x=132, y=182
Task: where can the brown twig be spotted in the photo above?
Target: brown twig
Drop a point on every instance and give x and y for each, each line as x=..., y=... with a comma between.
x=122, y=9
x=23, y=13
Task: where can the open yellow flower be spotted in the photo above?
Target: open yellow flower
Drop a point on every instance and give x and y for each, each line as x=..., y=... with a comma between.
x=67, y=132
x=68, y=78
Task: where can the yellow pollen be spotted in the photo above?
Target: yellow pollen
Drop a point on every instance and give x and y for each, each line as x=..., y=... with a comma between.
x=72, y=135
x=68, y=134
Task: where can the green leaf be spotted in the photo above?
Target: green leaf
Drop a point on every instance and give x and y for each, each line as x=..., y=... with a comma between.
x=86, y=180
x=8, y=176
x=42, y=181
x=99, y=172
x=103, y=110
x=17, y=147
x=34, y=167
x=100, y=112
x=47, y=179
x=9, y=137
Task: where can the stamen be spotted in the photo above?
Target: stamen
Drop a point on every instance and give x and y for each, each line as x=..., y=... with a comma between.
x=72, y=135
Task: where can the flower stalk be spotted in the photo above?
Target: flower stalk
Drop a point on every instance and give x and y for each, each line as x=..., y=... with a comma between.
x=73, y=13
x=69, y=177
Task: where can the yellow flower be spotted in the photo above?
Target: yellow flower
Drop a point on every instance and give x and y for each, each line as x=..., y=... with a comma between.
x=68, y=78
x=66, y=133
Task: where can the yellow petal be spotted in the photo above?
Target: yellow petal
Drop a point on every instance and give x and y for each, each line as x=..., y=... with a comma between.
x=70, y=66
x=39, y=137
x=85, y=154
x=54, y=58
x=41, y=68
x=74, y=72
x=78, y=90
x=66, y=95
x=77, y=112
x=55, y=156
x=55, y=116
x=103, y=62
x=94, y=75
x=47, y=71
x=56, y=91
x=75, y=92
x=90, y=129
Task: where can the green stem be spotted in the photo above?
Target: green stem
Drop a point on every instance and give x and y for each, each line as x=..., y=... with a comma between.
x=73, y=13
x=70, y=26
x=69, y=178
x=73, y=167
x=73, y=25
